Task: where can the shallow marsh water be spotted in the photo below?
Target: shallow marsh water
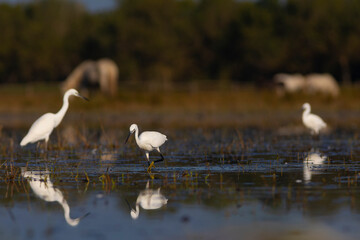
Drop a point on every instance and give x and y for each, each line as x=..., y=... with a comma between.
x=249, y=183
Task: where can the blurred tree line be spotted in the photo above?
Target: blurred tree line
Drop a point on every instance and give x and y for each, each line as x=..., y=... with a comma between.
x=182, y=40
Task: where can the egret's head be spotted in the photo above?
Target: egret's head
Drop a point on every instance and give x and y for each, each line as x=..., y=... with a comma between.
x=74, y=92
x=132, y=129
x=305, y=106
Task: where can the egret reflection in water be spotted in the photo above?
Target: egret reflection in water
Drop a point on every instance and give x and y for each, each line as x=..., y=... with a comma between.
x=312, y=161
x=43, y=188
x=148, y=199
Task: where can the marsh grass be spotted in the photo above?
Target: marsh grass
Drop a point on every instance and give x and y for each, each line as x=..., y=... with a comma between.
x=206, y=105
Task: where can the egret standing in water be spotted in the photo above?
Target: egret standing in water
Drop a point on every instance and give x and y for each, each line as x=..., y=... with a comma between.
x=43, y=126
x=148, y=141
x=312, y=121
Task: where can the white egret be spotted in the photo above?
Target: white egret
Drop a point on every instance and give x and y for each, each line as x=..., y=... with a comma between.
x=148, y=141
x=148, y=199
x=43, y=188
x=312, y=121
x=43, y=126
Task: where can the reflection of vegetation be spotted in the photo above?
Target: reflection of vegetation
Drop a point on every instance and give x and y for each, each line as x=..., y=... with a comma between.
x=169, y=40
x=276, y=191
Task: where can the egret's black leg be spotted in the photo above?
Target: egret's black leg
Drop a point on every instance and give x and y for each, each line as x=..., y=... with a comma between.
x=160, y=160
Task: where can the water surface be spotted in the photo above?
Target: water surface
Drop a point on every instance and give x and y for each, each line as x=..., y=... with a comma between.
x=219, y=182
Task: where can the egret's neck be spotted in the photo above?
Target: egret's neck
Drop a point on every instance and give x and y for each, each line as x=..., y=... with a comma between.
x=137, y=136
x=61, y=113
x=306, y=112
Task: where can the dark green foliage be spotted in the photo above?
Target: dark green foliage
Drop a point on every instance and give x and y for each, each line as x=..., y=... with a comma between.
x=182, y=40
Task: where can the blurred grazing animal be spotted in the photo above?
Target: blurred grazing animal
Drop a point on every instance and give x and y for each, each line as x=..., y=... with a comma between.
x=289, y=83
x=322, y=83
x=89, y=74
x=313, y=83
x=312, y=121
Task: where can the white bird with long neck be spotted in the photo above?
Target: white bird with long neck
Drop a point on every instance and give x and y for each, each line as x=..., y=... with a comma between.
x=148, y=141
x=312, y=121
x=43, y=126
x=43, y=188
x=148, y=199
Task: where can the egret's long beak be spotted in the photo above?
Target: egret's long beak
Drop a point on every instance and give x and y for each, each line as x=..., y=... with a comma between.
x=128, y=137
x=86, y=99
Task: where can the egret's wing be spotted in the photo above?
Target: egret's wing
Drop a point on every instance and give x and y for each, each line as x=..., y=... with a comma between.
x=155, y=139
x=42, y=127
x=316, y=120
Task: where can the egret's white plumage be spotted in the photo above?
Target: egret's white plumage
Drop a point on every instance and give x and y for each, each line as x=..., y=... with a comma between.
x=43, y=126
x=148, y=141
x=43, y=188
x=148, y=199
x=312, y=121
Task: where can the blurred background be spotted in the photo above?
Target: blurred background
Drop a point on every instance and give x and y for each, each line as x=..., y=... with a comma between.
x=172, y=46
x=225, y=80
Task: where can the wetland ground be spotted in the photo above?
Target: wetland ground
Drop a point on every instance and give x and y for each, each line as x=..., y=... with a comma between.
x=239, y=164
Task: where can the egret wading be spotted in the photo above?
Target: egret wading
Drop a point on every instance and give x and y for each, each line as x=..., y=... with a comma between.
x=43, y=126
x=312, y=121
x=148, y=141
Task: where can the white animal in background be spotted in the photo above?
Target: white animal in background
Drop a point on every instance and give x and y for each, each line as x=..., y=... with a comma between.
x=313, y=160
x=148, y=199
x=289, y=83
x=322, y=83
x=314, y=83
x=108, y=76
x=148, y=141
x=43, y=188
x=43, y=126
x=312, y=121
x=102, y=74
